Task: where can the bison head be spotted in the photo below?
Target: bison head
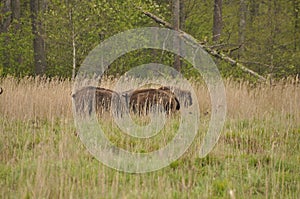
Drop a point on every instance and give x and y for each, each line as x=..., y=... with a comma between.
x=184, y=96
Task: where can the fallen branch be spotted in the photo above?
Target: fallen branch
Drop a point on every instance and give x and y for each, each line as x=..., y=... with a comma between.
x=256, y=63
x=157, y=19
x=211, y=51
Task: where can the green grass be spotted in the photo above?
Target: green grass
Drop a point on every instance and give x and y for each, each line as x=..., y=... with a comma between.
x=46, y=159
x=257, y=156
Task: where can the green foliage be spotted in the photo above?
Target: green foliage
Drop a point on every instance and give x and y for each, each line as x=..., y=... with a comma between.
x=16, y=53
x=271, y=35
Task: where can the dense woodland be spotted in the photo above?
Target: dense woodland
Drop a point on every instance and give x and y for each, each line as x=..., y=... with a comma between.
x=52, y=37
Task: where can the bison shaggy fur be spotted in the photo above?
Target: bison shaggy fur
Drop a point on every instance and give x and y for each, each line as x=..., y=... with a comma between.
x=84, y=99
x=143, y=100
x=184, y=96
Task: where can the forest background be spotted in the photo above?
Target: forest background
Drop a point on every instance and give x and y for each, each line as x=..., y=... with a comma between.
x=52, y=37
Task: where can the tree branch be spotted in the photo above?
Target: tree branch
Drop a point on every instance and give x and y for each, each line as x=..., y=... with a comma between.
x=157, y=19
x=211, y=51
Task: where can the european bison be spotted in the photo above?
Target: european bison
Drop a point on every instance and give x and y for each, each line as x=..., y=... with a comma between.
x=183, y=96
x=1, y=90
x=141, y=101
x=83, y=99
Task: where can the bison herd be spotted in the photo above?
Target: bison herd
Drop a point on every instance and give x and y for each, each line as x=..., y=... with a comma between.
x=140, y=101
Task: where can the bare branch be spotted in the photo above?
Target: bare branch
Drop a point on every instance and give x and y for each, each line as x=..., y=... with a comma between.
x=157, y=19
x=211, y=51
x=255, y=63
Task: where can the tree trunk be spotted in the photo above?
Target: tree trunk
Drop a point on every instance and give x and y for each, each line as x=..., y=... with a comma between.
x=6, y=11
x=270, y=42
x=182, y=25
x=15, y=4
x=253, y=10
x=182, y=15
x=5, y=23
x=296, y=23
x=217, y=20
x=73, y=44
x=16, y=14
x=38, y=41
x=176, y=25
x=242, y=27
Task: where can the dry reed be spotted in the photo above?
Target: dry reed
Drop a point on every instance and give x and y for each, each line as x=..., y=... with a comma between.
x=256, y=155
x=45, y=98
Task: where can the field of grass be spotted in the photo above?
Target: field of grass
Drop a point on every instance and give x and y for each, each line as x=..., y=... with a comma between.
x=257, y=155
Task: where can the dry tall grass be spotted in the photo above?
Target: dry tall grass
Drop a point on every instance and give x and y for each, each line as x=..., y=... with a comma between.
x=46, y=98
x=257, y=155
x=31, y=98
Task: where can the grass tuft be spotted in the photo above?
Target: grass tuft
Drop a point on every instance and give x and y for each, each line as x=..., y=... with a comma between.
x=257, y=154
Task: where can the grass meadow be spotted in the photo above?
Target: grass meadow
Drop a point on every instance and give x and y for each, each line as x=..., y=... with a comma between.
x=257, y=155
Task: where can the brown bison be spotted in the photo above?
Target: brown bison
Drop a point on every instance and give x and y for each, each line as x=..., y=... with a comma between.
x=1, y=90
x=183, y=96
x=141, y=101
x=84, y=99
